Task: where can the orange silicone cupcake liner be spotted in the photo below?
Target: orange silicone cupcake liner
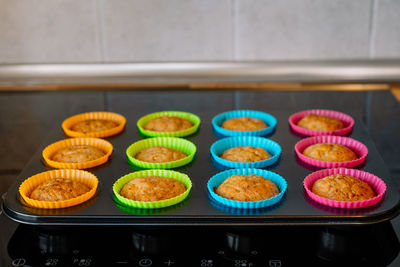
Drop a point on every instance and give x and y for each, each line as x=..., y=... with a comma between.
x=117, y=118
x=104, y=145
x=34, y=181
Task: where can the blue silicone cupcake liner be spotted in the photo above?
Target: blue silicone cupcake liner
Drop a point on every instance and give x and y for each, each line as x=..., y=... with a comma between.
x=217, y=179
x=244, y=212
x=265, y=117
x=272, y=147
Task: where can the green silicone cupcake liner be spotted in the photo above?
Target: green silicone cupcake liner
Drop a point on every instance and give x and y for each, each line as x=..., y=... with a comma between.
x=180, y=144
x=194, y=119
x=137, y=211
x=183, y=178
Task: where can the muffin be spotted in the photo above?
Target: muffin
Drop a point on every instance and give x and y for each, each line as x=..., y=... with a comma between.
x=247, y=188
x=59, y=189
x=330, y=152
x=320, y=123
x=88, y=126
x=77, y=153
x=159, y=154
x=152, y=188
x=168, y=124
x=244, y=124
x=343, y=187
x=245, y=154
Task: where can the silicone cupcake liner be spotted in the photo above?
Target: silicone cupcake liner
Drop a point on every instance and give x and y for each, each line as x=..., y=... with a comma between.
x=245, y=212
x=183, y=178
x=155, y=211
x=377, y=184
x=267, y=118
x=180, y=144
x=360, y=149
x=270, y=146
x=104, y=145
x=32, y=182
x=117, y=118
x=347, y=121
x=217, y=179
x=194, y=119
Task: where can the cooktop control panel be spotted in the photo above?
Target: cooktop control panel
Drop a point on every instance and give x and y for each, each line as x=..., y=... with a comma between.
x=375, y=245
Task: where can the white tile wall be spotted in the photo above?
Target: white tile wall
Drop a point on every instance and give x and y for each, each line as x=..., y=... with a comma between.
x=48, y=31
x=57, y=31
x=301, y=29
x=387, y=36
x=173, y=30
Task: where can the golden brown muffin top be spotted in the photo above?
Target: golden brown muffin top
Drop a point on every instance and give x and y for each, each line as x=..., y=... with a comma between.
x=330, y=152
x=79, y=153
x=168, y=124
x=320, y=123
x=159, y=154
x=59, y=189
x=343, y=187
x=245, y=154
x=152, y=188
x=247, y=188
x=244, y=124
x=89, y=126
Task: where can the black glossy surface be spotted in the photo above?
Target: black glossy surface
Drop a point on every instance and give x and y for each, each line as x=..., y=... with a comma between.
x=295, y=208
x=372, y=245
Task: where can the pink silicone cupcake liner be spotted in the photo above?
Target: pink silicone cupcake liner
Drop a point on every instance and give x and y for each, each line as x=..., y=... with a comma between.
x=346, y=119
x=375, y=182
x=360, y=149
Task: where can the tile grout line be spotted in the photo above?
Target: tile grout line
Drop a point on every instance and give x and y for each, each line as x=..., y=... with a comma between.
x=101, y=24
x=372, y=28
x=234, y=28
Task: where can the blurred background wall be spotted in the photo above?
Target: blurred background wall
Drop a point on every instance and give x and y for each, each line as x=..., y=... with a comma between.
x=59, y=31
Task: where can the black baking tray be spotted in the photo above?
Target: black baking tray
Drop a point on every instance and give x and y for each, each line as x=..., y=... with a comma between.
x=294, y=209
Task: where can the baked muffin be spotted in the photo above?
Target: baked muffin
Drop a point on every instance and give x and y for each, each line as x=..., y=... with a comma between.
x=330, y=152
x=245, y=154
x=159, y=154
x=343, y=187
x=244, y=124
x=59, y=189
x=78, y=153
x=152, y=188
x=168, y=124
x=247, y=188
x=88, y=126
x=320, y=123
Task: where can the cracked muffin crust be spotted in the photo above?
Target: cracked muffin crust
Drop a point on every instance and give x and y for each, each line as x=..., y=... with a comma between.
x=59, y=189
x=78, y=153
x=320, y=123
x=247, y=188
x=343, y=187
x=152, y=188
x=159, y=154
x=168, y=124
x=244, y=124
x=88, y=126
x=330, y=152
x=245, y=154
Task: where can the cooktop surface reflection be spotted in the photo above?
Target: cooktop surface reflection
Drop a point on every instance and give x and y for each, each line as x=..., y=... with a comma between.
x=24, y=245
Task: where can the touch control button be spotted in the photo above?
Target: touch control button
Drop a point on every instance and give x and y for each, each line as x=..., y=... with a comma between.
x=275, y=263
x=145, y=262
x=18, y=262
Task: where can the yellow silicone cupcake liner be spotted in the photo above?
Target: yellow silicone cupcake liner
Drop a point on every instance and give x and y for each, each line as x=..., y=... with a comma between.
x=180, y=144
x=117, y=118
x=34, y=181
x=104, y=145
x=194, y=119
x=181, y=177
